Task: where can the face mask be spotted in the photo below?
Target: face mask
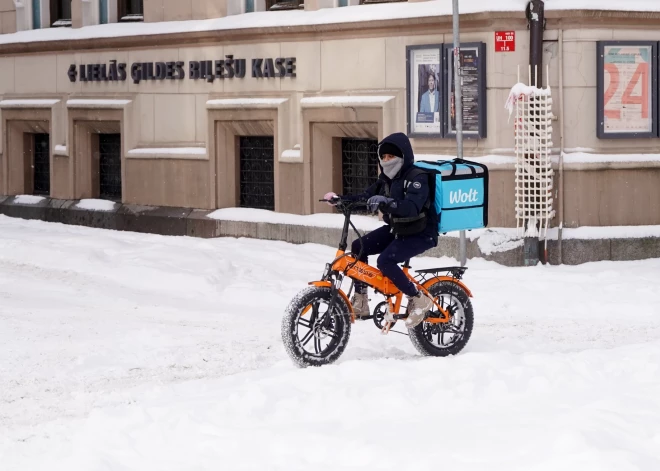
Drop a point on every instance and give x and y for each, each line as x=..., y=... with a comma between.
x=392, y=167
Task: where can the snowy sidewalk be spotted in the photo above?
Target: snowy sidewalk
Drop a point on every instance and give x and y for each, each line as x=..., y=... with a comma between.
x=126, y=351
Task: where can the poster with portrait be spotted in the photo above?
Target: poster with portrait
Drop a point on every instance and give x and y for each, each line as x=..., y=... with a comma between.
x=627, y=82
x=473, y=82
x=425, y=101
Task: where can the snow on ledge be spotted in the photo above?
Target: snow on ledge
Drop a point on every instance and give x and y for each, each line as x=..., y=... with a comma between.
x=330, y=220
x=325, y=16
x=96, y=205
x=28, y=103
x=192, y=153
x=583, y=157
x=291, y=156
x=490, y=240
x=484, y=159
x=344, y=101
x=575, y=159
x=223, y=103
x=28, y=199
x=96, y=103
x=61, y=150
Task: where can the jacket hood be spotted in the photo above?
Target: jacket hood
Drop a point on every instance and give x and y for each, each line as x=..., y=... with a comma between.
x=400, y=140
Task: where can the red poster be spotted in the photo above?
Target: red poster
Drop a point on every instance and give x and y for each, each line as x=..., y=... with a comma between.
x=505, y=41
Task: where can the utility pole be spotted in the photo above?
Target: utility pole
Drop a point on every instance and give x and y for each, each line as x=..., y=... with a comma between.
x=458, y=112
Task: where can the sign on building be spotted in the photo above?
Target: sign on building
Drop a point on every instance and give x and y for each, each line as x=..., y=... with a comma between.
x=505, y=41
x=430, y=90
x=627, y=89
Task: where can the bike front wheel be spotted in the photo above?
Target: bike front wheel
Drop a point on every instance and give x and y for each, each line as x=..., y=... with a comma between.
x=312, y=333
x=442, y=340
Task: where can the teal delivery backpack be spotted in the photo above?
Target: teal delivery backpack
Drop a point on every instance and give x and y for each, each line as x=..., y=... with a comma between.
x=461, y=193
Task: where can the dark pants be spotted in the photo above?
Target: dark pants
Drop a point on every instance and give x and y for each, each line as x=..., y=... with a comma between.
x=392, y=251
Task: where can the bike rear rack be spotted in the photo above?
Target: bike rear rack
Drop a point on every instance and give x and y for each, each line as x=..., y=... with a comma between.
x=456, y=273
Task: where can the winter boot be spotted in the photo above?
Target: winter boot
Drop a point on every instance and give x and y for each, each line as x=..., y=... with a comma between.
x=418, y=306
x=360, y=303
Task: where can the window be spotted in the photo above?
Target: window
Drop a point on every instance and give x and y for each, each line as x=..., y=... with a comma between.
x=359, y=164
x=41, y=165
x=36, y=14
x=110, y=166
x=284, y=4
x=103, y=12
x=249, y=6
x=131, y=10
x=60, y=13
x=257, y=180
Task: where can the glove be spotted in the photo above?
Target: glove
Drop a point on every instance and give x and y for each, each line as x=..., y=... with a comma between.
x=331, y=198
x=374, y=202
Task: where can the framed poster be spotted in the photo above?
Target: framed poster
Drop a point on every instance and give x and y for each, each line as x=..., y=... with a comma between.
x=626, y=89
x=423, y=87
x=473, y=75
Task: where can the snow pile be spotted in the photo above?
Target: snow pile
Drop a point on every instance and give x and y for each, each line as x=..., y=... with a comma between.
x=144, y=352
x=96, y=205
x=367, y=223
x=28, y=199
x=520, y=90
x=491, y=241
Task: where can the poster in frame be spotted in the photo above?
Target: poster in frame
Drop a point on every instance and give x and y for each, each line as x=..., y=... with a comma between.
x=424, y=90
x=627, y=80
x=473, y=73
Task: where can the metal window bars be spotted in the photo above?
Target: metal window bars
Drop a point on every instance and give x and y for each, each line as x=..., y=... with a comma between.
x=257, y=177
x=110, y=167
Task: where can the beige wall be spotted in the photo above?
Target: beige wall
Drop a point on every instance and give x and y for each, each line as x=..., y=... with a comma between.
x=174, y=113
x=7, y=17
x=179, y=10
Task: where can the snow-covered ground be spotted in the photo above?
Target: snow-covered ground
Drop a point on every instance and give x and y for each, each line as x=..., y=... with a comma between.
x=125, y=351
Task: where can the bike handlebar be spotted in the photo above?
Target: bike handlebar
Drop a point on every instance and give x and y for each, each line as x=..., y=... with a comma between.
x=347, y=205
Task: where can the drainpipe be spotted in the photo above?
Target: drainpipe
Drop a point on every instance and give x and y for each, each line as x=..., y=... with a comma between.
x=536, y=23
x=561, y=146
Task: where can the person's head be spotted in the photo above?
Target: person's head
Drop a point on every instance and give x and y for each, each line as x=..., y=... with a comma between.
x=431, y=82
x=391, y=159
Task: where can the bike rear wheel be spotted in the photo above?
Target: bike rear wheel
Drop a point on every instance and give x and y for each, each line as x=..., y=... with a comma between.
x=442, y=340
x=312, y=334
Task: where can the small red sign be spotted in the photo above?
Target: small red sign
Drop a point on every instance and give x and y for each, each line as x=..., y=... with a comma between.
x=505, y=41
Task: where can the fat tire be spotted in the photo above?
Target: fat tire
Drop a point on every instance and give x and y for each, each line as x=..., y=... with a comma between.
x=419, y=340
x=296, y=352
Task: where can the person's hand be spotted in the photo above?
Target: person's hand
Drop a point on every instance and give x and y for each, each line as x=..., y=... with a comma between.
x=331, y=198
x=374, y=202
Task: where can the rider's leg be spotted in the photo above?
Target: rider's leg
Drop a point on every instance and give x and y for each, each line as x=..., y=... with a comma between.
x=397, y=252
x=374, y=242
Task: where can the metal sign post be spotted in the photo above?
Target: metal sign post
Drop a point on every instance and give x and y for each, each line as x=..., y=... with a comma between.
x=458, y=112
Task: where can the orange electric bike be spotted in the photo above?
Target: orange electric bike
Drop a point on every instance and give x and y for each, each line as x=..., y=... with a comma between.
x=317, y=323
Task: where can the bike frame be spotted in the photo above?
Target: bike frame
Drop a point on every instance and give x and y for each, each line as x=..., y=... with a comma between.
x=347, y=264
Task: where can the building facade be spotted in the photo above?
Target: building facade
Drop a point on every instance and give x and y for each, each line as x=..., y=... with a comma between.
x=226, y=103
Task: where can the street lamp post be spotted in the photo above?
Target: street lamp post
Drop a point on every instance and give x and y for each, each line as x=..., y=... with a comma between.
x=458, y=111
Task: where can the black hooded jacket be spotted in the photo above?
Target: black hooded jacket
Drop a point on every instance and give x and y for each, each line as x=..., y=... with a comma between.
x=406, y=204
